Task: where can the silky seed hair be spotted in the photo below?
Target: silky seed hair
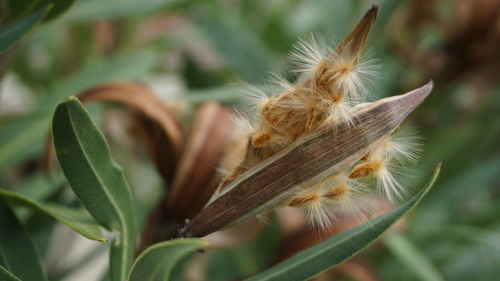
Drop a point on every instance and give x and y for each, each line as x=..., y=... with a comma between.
x=330, y=82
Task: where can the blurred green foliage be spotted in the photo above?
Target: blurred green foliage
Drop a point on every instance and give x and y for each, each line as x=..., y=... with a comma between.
x=204, y=46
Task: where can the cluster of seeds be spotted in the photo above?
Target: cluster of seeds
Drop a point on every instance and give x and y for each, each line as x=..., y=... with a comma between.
x=330, y=84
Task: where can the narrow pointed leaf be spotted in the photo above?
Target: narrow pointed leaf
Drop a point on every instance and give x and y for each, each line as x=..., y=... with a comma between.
x=97, y=180
x=78, y=220
x=157, y=261
x=5, y=275
x=13, y=31
x=89, y=11
x=341, y=247
x=17, y=251
x=58, y=7
x=20, y=7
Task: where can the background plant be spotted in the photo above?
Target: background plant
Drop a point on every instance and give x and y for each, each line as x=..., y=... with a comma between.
x=192, y=50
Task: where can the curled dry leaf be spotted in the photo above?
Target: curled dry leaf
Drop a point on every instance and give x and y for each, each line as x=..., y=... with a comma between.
x=196, y=175
x=141, y=100
x=164, y=135
x=309, y=159
x=157, y=144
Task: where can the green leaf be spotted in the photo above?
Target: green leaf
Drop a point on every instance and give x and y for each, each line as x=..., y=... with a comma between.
x=341, y=247
x=472, y=253
x=13, y=31
x=78, y=220
x=21, y=7
x=410, y=256
x=452, y=193
x=40, y=187
x=25, y=137
x=242, y=50
x=58, y=7
x=5, y=275
x=97, y=180
x=17, y=251
x=91, y=10
x=222, y=94
x=22, y=138
x=37, y=187
x=157, y=261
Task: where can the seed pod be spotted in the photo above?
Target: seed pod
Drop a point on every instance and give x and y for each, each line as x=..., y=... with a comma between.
x=328, y=82
x=308, y=160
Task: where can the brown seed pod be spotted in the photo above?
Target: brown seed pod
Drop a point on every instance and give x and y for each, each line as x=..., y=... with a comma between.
x=328, y=80
x=308, y=160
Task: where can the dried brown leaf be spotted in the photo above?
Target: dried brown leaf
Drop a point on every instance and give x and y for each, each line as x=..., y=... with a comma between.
x=163, y=135
x=141, y=99
x=196, y=175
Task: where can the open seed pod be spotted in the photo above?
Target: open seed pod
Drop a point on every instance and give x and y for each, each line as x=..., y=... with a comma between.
x=310, y=144
x=306, y=162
